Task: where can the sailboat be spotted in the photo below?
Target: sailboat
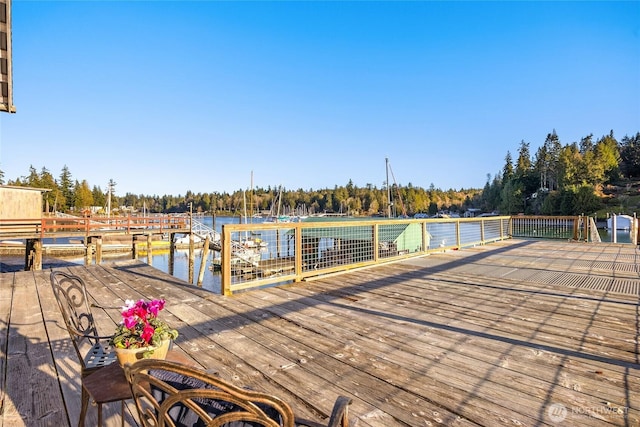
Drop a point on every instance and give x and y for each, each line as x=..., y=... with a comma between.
x=274, y=214
x=250, y=241
x=246, y=251
x=389, y=198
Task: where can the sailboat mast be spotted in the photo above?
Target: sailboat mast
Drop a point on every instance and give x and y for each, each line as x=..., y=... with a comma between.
x=386, y=160
x=251, y=199
x=279, y=199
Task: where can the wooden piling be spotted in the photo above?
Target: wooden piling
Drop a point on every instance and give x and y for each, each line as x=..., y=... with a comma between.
x=172, y=250
x=88, y=253
x=98, y=250
x=149, y=249
x=203, y=260
x=33, y=255
x=134, y=248
x=191, y=257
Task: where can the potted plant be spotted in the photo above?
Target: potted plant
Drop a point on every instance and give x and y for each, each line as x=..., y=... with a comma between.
x=141, y=334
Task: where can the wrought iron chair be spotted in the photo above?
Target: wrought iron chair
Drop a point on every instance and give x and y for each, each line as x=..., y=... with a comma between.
x=172, y=394
x=93, y=350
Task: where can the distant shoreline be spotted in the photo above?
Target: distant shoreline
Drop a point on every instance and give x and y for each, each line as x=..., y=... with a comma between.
x=79, y=249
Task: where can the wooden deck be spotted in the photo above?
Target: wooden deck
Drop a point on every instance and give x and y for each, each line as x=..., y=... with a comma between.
x=517, y=333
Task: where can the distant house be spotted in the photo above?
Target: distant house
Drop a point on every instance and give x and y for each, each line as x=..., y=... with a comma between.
x=472, y=212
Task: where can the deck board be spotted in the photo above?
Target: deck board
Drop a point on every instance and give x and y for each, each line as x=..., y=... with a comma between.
x=486, y=336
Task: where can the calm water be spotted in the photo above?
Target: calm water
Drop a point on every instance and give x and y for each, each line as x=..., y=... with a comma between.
x=211, y=279
x=622, y=236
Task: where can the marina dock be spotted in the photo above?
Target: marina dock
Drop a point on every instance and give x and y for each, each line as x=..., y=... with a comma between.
x=513, y=333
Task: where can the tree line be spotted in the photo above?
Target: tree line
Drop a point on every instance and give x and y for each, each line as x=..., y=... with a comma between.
x=559, y=179
x=68, y=195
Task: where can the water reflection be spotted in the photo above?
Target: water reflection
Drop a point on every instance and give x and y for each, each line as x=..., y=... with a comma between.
x=622, y=236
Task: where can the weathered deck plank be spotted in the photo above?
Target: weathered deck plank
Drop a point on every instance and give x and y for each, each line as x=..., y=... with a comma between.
x=6, y=294
x=492, y=335
x=65, y=358
x=32, y=395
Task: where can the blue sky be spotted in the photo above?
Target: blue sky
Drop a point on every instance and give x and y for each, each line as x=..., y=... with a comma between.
x=169, y=96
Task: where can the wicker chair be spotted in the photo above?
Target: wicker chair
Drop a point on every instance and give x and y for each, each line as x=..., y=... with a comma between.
x=93, y=350
x=172, y=394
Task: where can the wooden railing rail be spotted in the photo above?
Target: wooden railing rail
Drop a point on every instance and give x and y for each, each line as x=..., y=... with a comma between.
x=94, y=225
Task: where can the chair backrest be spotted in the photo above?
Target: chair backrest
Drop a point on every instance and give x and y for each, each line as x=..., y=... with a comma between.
x=169, y=393
x=71, y=295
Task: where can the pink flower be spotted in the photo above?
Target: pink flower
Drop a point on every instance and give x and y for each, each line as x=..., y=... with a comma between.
x=139, y=323
x=147, y=333
x=129, y=321
x=155, y=306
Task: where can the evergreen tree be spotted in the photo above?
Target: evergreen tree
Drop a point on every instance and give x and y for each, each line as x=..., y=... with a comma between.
x=542, y=166
x=551, y=204
x=630, y=155
x=591, y=170
x=552, y=149
x=523, y=165
x=569, y=166
x=511, y=200
x=50, y=197
x=433, y=208
x=33, y=180
x=567, y=201
x=507, y=171
x=586, y=144
x=66, y=188
x=528, y=180
x=586, y=201
x=608, y=155
x=99, y=198
x=83, y=196
x=340, y=196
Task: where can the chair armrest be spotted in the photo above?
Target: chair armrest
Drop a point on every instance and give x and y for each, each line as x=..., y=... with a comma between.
x=339, y=415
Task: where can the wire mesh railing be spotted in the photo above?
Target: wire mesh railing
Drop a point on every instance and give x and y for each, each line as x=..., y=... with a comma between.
x=550, y=227
x=254, y=255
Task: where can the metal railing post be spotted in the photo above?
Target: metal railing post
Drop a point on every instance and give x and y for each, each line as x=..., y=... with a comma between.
x=425, y=237
x=376, y=243
x=225, y=262
x=297, y=253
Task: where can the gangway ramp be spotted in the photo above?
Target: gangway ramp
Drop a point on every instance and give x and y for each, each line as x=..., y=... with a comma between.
x=215, y=242
x=203, y=231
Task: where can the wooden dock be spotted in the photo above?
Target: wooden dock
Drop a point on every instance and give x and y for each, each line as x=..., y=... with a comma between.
x=516, y=333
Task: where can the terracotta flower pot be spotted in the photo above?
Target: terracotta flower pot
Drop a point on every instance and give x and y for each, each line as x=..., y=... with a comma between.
x=132, y=355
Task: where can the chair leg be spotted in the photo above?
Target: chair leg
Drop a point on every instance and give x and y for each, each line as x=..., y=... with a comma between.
x=122, y=412
x=83, y=407
x=99, y=414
